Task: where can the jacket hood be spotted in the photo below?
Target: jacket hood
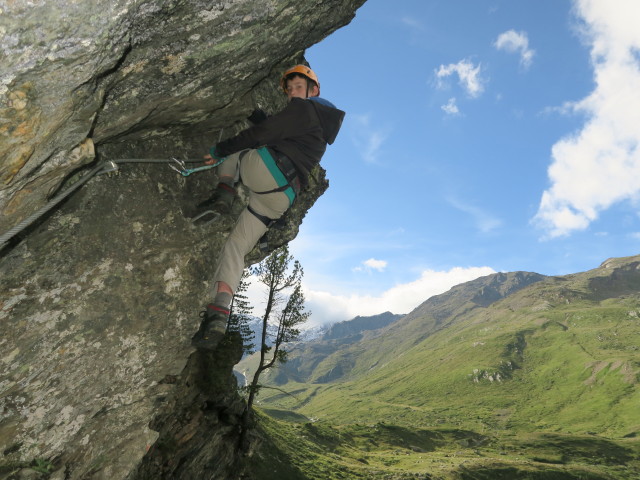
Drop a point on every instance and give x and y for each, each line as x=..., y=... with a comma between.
x=330, y=118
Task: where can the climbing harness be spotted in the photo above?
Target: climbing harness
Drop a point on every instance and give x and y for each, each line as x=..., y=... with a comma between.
x=283, y=172
x=268, y=222
x=286, y=176
x=280, y=167
x=263, y=241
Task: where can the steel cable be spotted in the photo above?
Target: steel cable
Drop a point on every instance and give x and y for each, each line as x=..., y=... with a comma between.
x=105, y=167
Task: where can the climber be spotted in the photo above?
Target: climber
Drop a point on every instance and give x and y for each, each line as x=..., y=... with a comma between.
x=273, y=159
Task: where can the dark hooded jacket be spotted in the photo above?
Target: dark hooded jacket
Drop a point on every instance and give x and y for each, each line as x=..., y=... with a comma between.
x=301, y=131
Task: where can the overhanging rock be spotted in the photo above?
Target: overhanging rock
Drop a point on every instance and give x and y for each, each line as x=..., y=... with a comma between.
x=136, y=73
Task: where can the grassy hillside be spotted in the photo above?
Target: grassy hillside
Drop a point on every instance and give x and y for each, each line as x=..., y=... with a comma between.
x=550, y=370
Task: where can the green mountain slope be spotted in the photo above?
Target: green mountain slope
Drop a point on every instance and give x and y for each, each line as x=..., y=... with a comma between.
x=519, y=357
x=550, y=354
x=353, y=350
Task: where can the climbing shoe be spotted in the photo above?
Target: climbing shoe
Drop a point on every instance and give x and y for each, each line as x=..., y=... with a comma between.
x=212, y=328
x=219, y=204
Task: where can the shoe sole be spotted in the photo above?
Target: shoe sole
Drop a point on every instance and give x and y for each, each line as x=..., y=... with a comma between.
x=214, y=218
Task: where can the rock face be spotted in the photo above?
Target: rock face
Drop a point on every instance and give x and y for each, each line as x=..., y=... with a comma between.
x=99, y=298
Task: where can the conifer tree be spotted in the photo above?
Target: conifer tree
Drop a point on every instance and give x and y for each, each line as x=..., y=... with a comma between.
x=284, y=309
x=240, y=314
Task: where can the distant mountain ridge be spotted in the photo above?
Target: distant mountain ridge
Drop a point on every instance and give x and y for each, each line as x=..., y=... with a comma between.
x=315, y=344
x=441, y=310
x=358, y=325
x=482, y=291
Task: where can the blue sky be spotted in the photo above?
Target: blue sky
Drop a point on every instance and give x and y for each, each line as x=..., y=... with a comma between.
x=480, y=136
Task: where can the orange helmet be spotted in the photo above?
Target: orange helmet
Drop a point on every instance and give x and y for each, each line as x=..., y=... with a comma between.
x=302, y=70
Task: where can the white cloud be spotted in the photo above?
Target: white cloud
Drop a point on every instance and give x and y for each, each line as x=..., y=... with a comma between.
x=331, y=307
x=412, y=23
x=599, y=165
x=373, y=264
x=468, y=76
x=484, y=221
x=516, y=42
x=451, y=107
x=367, y=138
x=330, y=299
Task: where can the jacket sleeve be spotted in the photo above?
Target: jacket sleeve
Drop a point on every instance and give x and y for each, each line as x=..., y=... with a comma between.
x=287, y=123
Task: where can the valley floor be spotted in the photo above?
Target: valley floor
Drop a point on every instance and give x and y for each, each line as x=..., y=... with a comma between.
x=296, y=449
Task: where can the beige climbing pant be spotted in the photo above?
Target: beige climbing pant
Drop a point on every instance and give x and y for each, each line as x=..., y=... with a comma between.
x=248, y=229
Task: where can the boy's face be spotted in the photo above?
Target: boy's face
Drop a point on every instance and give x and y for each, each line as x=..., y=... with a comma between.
x=297, y=87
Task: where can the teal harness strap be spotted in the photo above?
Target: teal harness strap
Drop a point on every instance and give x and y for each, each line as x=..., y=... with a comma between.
x=278, y=176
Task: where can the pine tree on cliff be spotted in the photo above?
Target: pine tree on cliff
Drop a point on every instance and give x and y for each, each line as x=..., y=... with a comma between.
x=240, y=315
x=285, y=304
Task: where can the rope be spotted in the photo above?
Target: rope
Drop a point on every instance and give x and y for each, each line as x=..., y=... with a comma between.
x=106, y=167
